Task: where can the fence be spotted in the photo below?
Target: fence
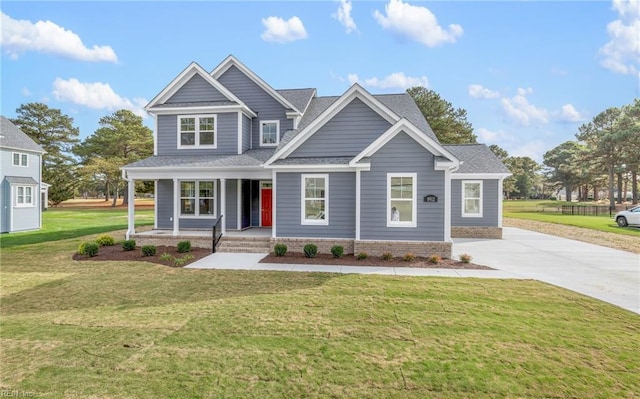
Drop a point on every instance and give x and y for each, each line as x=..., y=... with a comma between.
x=587, y=210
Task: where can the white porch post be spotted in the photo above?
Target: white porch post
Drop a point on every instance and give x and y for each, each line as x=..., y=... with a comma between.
x=176, y=207
x=223, y=203
x=131, y=192
x=358, y=204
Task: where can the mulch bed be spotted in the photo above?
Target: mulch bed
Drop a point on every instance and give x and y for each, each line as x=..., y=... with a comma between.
x=115, y=253
x=351, y=260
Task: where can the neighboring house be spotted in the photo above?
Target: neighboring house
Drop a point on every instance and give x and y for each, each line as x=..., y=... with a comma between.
x=361, y=170
x=21, y=183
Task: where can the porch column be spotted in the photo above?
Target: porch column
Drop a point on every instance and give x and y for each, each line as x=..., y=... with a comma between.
x=176, y=207
x=223, y=204
x=131, y=192
x=358, y=172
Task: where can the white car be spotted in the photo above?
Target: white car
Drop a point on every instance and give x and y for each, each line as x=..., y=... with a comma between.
x=630, y=217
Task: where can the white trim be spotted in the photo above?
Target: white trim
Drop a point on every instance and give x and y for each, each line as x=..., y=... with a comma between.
x=230, y=61
x=223, y=203
x=476, y=176
x=355, y=91
x=24, y=187
x=463, y=213
x=203, y=109
x=131, y=209
x=155, y=204
x=447, y=206
x=196, y=214
x=239, y=203
x=403, y=125
x=273, y=204
x=186, y=173
x=21, y=156
x=414, y=205
x=176, y=206
x=240, y=133
x=260, y=126
x=196, y=132
x=358, y=194
x=312, y=168
x=303, y=199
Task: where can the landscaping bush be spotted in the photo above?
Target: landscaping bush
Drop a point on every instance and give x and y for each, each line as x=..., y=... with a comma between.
x=337, y=251
x=362, y=256
x=90, y=249
x=129, y=245
x=387, y=256
x=105, y=240
x=310, y=250
x=184, y=246
x=148, y=250
x=280, y=249
x=166, y=256
x=465, y=258
x=435, y=259
x=183, y=260
x=409, y=257
x=81, y=249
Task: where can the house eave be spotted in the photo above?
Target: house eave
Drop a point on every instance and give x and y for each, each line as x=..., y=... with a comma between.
x=202, y=109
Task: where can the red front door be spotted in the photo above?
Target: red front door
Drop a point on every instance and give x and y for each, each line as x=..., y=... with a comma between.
x=266, y=210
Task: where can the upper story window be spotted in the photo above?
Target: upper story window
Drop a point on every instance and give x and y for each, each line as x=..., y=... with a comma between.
x=315, y=194
x=401, y=199
x=197, y=131
x=472, y=198
x=24, y=196
x=269, y=133
x=20, y=159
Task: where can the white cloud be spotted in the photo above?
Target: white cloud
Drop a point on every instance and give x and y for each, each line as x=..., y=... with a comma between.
x=491, y=136
x=479, y=91
x=281, y=31
x=519, y=110
x=622, y=53
x=532, y=149
x=568, y=113
x=397, y=80
x=343, y=14
x=95, y=95
x=416, y=23
x=20, y=36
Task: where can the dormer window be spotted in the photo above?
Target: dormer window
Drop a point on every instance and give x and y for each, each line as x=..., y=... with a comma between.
x=197, y=131
x=269, y=133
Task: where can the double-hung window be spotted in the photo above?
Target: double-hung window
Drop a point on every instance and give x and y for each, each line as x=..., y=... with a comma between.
x=472, y=198
x=197, y=198
x=401, y=199
x=24, y=196
x=315, y=199
x=269, y=133
x=197, y=131
x=20, y=159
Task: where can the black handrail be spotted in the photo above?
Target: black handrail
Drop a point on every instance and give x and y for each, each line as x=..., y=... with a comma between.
x=216, y=235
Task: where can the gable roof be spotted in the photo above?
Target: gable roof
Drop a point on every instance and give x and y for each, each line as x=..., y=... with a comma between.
x=233, y=61
x=477, y=158
x=12, y=137
x=300, y=98
x=184, y=76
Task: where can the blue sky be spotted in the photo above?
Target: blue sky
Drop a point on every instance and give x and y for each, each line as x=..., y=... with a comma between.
x=528, y=73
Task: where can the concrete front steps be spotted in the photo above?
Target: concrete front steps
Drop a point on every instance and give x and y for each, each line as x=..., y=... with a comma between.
x=252, y=245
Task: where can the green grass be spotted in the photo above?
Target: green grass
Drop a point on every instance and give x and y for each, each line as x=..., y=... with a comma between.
x=61, y=224
x=136, y=330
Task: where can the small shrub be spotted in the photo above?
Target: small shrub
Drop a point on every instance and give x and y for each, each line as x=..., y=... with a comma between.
x=183, y=260
x=105, y=240
x=184, y=246
x=148, y=250
x=362, y=256
x=128, y=245
x=465, y=258
x=166, y=256
x=387, y=256
x=435, y=259
x=91, y=249
x=337, y=251
x=310, y=250
x=81, y=250
x=280, y=249
x=409, y=257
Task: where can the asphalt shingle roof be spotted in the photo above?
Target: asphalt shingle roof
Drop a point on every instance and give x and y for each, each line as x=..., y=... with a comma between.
x=299, y=98
x=314, y=161
x=251, y=158
x=12, y=137
x=21, y=180
x=476, y=158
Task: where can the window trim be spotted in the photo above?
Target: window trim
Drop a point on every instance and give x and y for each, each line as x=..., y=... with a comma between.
x=197, y=144
x=463, y=199
x=303, y=200
x=262, y=123
x=24, y=204
x=414, y=221
x=22, y=156
x=197, y=215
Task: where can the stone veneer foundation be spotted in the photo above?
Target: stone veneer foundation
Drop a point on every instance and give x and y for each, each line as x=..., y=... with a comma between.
x=372, y=248
x=476, y=232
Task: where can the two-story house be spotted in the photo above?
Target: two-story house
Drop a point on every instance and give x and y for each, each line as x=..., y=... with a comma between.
x=361, y=170
x=21, y=201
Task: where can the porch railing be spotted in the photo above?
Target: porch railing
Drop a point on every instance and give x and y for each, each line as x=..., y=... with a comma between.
x=216, y=234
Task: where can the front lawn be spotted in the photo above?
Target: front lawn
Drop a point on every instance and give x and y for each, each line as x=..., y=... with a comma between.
x=599, y=223
x=137, y=330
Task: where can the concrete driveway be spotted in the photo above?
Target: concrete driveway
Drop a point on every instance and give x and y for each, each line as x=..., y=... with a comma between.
x=607, y=274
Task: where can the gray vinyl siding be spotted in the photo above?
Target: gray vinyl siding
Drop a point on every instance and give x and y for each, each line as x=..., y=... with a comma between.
x=164, y=204
x=196, y=89
x=5, y=206
x=227, y=136
x=231, y=213
x=261, y=102
x=489, y=204
x=27, y=218
x=354, y=128
x=246, y=133
x=402, y=155
x=342, y=202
